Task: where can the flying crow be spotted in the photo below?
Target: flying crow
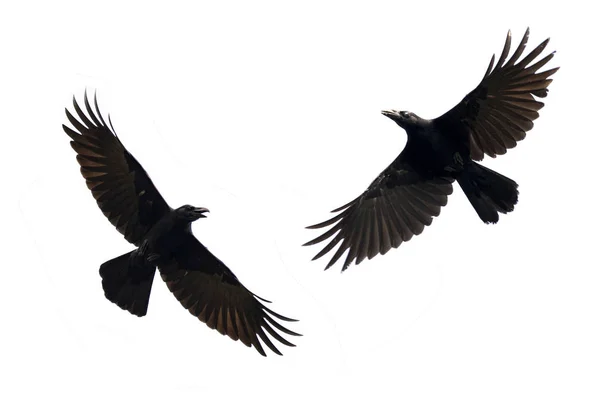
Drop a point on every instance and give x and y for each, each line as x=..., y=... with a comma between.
x=163, y=237
x=406, y=196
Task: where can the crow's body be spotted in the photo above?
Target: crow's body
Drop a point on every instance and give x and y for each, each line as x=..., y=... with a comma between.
x=428, y=149
x=163, y=237
x=406, y=196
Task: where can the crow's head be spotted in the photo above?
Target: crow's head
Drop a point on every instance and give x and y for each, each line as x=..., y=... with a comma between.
x=191, y=213
x=403, y=118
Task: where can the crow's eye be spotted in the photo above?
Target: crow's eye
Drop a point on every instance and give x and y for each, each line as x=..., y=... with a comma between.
x=404, y=114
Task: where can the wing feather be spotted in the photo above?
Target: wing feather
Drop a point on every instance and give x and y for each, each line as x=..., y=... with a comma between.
x=394, y=208
x=212, y=293
x=502, y=108
x=121, y=187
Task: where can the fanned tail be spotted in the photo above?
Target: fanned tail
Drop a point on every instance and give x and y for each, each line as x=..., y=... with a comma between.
x=489, y=192
x=128, y=284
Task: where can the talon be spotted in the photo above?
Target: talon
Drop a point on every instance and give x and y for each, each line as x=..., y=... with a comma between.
x=143, y=247
x=458, y=159
x=152, y=257
x=450, y=169
x=138, y=257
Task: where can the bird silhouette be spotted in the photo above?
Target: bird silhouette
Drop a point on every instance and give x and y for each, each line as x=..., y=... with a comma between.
x=406, y=196
x=163, y=237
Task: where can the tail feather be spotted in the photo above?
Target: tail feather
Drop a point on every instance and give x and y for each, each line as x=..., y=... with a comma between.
x=126, y=284
x=489, y=192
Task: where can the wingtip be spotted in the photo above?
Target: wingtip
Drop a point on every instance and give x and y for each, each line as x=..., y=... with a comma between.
x=291, y=333
x=545, y=42
x=310, y=243
x=260, y=351
x=66, y=129
x=85, y=96
x=112, y=127
x=260, y=298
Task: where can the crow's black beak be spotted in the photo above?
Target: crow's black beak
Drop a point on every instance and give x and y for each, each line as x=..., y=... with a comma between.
x=199, y=211
x=393, y=114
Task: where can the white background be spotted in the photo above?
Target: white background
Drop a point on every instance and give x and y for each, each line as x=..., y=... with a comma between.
x=269, y=115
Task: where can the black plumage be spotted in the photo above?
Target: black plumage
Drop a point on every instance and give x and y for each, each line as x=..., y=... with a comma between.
x=406, y=196
x=163, y=237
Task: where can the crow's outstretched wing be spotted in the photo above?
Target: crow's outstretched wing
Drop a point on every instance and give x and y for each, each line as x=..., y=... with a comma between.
x=396, y=206
x=123, y=190
x=211, y=292
x=502, y=108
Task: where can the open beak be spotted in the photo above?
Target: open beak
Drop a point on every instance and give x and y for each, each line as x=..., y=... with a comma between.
x=199, y=212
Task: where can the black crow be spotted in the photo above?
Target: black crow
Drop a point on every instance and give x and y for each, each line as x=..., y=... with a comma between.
x=131, y=202
x=406, y=196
